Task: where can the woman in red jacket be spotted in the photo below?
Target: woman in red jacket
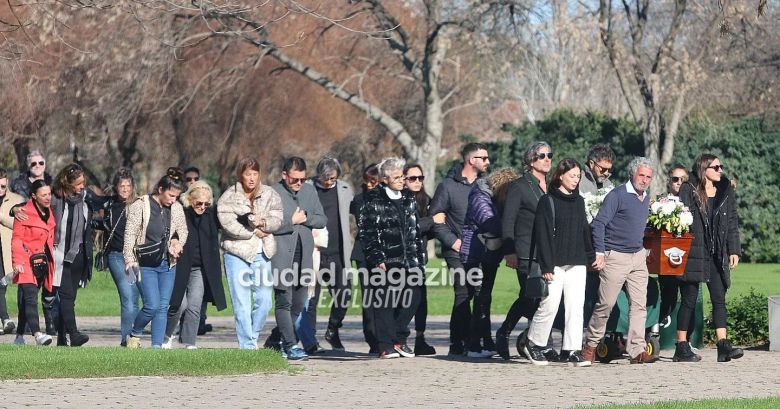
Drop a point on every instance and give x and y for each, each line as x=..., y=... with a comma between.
x=31, y=255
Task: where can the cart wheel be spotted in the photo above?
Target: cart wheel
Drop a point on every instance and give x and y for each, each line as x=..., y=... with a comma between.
x=653, y=347
x=606, y=350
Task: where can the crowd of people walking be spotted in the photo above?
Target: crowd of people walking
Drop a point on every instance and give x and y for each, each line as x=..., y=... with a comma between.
x=281, y=245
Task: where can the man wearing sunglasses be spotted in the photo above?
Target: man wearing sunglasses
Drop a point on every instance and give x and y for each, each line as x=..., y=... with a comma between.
x=335, y=196
x=36, y=170
x=598, y=170
x=302, y=212
x=451, y=197
x=191, y=175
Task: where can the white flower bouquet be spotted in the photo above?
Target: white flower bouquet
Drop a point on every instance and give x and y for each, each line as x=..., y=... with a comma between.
x=593, y=202
x=670, y=214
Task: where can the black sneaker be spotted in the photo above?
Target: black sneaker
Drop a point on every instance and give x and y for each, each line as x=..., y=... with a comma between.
x=502, y=345
x=78, y=339
x=575, y=359
x=551, y=354
x=456, y=349
x=563, y=357
x=315, y=349
x=535, y=355
x=332, y=336
x=683, y=353
x=404, y=350
x=423, y=348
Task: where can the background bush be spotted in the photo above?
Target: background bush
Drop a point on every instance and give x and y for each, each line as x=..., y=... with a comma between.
x=748, y=321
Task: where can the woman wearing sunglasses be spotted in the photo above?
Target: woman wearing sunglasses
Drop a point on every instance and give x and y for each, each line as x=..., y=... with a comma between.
x=677, y=176
x=198, y=271
x=715, y=249
x=413, y=179
x=670, y=284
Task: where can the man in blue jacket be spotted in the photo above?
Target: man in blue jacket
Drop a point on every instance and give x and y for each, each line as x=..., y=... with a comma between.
x=618, y=230
x=451, y=197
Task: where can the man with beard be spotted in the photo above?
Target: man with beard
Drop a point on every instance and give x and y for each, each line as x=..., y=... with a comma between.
x=451, y=197
x=598, y=170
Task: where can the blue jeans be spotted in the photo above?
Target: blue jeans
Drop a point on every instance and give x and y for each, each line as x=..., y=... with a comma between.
x=128, y=293
x=251, y=291
x=303, y=328
x=156, y=288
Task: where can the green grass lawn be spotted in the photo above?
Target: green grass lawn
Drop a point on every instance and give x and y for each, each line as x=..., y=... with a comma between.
x=759, y=403
x=32, y=362
x=100, y=298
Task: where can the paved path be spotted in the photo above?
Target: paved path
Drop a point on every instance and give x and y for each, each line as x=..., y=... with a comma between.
x=356, y=379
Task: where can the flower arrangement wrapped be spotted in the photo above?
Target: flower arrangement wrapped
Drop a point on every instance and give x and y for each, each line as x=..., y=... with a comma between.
x=593, y=202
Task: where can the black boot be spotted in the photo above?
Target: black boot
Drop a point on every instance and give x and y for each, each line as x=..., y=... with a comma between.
x=47, y=319
x=332, y=336
x=78, y=339
x=683, y=353
x=726, y=352
x=423, y=348
x=502, y=345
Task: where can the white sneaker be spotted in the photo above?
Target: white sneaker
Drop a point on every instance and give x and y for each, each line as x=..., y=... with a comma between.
x=19, y=340
x=43, y=339
x=168, y=344
x=480, y=354
x=191, y=347
x=8, y=327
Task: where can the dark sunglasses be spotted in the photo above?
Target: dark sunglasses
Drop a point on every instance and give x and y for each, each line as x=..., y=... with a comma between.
x=676, y=179
x=716, y=168
x=541, y=156
x=295, y=181
x=602, y=169
x=39, y=163
x=415, y=178
x=201, y=204
x=193, y=179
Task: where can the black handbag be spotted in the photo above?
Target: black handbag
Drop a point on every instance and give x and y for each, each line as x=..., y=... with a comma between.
x=39, y=263
x=536, y=285
x=151, y=254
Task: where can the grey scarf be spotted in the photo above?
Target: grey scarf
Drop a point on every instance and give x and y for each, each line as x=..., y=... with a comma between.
x=77, y=227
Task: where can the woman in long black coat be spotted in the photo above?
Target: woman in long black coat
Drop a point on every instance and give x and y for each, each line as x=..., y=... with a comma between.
x=715, y=249
x=198, y=270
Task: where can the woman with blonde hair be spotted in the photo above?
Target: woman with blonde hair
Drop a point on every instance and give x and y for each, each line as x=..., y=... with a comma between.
x=114, y=222
x=482, y=248
x=198, y=271
x=249, y=212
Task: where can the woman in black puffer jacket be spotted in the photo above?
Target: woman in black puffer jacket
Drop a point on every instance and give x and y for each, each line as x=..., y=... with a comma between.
x=395, y=255
x=715, y=249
